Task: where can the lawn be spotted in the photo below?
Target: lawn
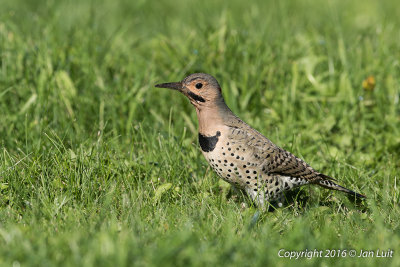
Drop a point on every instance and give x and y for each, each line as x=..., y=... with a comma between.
x=99, y=168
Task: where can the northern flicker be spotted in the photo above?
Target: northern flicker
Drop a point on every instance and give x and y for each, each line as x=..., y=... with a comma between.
x=241, y=155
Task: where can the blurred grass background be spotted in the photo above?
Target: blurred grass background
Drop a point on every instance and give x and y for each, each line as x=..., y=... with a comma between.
x=99, y=168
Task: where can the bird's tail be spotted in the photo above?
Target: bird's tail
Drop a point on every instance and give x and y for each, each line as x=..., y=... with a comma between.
x=327, y=182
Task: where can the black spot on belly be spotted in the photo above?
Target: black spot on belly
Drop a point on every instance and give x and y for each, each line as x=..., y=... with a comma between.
x=208, y=143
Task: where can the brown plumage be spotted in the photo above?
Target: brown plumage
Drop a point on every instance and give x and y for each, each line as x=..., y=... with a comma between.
x=241, y=155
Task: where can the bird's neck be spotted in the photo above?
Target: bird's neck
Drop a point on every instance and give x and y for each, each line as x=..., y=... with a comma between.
x=213, y=118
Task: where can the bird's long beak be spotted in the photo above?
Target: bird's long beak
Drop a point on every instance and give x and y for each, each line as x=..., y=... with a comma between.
x=173, y=86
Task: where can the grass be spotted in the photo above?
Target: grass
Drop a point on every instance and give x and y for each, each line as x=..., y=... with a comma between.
x=99, y=168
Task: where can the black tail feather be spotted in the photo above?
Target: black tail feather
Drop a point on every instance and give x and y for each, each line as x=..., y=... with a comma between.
x=332, y=185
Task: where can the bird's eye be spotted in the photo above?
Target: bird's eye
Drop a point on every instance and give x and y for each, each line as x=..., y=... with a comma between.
x=199, y=85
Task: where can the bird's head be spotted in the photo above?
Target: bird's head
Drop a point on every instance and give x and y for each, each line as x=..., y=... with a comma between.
x=202, y=89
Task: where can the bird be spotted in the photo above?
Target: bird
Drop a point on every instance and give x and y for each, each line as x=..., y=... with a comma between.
x=241, y=155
